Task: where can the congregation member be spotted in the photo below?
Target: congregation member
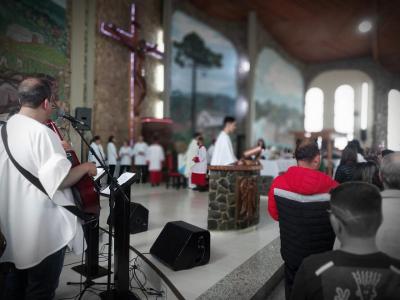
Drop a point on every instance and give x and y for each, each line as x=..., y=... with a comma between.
x=36, y=227
x=388, y=235
x=139, y=155
x=112, y=156
x=98, y=149
x=358, y=270
x=125, y=153
x=348, y=161
x=304, y=179
x=367, y=172
x=199, y=169
x=155, y=159
x=190, y=153
x=223, y=152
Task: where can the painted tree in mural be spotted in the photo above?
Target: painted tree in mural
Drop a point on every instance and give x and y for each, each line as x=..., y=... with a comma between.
x=193, y=53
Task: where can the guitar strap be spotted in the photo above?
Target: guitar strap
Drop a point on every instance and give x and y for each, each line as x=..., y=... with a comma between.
x=35, y=181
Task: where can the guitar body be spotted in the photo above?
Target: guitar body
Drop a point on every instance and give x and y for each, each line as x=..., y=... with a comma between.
x=84, y=191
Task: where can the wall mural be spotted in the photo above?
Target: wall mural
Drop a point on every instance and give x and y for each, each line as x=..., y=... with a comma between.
x=278, y=96
x=203, y=78
x=33, y=39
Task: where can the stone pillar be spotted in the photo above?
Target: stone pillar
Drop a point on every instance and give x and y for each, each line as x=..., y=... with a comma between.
x=252, y=29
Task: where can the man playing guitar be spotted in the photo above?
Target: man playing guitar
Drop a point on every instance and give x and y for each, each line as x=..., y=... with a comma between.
x=36, y=225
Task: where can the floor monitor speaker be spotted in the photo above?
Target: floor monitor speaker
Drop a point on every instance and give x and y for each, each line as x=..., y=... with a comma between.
x=181, y=245
x=138, y=218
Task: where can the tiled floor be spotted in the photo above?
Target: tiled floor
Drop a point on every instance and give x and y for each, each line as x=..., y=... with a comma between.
x=228, y=249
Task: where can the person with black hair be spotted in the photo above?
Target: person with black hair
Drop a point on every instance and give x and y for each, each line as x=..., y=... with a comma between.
x=95, y=144
x=357, y=270
x=223, y=152
x=367, y=172
x=112, y=156
x=36, y=227
x=304, y=179
x=348, y=161
x=388, y=238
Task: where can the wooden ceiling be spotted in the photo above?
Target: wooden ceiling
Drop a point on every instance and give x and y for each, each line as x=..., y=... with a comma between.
x=322, y=30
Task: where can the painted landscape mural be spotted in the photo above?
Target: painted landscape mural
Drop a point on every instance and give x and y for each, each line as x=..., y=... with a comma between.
x=203, y=78
x=278, y=95
x=33, y=38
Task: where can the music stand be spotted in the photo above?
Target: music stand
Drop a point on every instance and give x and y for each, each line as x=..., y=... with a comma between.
x=120, y=206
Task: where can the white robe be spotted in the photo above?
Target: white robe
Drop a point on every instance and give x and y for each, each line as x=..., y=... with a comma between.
x=201, y=166
x=112, y=154
x=155, y=157
x=34, y=225
x=190, y=153
x=139, y=151
x=210, y=152
x=98, y=149
x=125, y=154
x=223, y=152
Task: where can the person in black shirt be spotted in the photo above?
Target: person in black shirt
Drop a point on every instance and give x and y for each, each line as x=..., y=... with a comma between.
x=347, y=164
x=357, y=270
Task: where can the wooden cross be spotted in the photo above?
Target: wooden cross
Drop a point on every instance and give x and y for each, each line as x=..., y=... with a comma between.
x=139, y=49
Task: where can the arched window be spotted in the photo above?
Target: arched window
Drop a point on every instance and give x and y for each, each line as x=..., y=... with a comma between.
x=364, y=106
x=344, y=114
x=393, y=135
x=314, y=110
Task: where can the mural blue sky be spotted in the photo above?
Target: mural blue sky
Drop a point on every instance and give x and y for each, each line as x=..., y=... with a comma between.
x=216, y=80
x=277, y=81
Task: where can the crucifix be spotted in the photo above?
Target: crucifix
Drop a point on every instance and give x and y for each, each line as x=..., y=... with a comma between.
x=139, y=48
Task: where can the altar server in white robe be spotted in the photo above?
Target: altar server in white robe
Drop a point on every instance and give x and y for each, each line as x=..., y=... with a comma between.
x=37, y=228
x=199, y=170
x=155, y=159
x=139, y=152
x=189, y=163
x=125, y=152
x=223, y=152
x=98, y=149
x=112, y=156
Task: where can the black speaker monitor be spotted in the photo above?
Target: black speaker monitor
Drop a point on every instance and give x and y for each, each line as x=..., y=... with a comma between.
x=138, y=218
x=181, y=245
x=84, y=114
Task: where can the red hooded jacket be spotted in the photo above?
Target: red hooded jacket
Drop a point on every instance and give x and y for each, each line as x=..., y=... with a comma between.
x=302, y=181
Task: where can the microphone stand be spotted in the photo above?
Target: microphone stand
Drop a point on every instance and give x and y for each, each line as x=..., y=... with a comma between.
x=115, y=189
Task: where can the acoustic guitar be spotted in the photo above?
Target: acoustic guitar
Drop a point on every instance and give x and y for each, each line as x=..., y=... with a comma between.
x=85, y=194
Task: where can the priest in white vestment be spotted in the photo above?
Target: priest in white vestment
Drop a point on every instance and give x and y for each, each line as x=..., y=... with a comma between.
x=223, y=152
x=36, y=226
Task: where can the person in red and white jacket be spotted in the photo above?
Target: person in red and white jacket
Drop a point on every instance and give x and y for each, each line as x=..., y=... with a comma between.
x=199, y=169
x=304, y=179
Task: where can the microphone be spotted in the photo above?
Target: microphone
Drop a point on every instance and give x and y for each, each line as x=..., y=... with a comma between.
x=62, y=114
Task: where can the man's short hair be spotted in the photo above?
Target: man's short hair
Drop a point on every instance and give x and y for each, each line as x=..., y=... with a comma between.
x=196, y=135
x=33, y=91
x=228, y=120
x=307, y=151
x=358, y=205
x=390, y=171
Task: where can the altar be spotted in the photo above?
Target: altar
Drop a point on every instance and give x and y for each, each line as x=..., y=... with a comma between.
x=234, y=199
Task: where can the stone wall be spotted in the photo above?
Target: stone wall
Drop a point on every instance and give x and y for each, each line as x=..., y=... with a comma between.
x=111, y=106
x=222, y=206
